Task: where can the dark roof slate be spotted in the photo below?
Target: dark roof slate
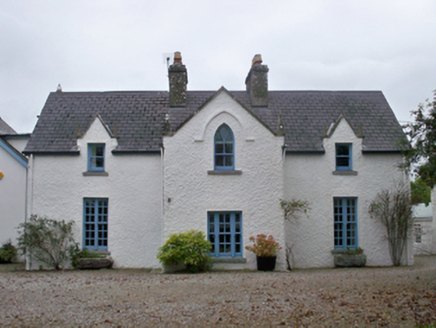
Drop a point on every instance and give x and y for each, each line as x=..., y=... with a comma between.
x=137, y=118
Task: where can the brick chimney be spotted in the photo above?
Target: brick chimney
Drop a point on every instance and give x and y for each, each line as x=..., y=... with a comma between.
x=257, y=83
x=178, y=78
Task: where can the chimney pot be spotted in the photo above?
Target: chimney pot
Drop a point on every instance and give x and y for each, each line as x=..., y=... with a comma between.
x=257, y=60
x=177, y=57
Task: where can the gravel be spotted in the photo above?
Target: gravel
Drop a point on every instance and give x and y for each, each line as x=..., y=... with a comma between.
x=394, y=297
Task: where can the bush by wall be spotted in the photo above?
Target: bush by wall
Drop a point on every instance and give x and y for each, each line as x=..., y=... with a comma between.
x=189, y=248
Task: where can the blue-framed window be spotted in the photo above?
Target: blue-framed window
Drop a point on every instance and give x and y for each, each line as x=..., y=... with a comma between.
x=96, y=157
x=224, y=150
x=345, y=223
x=95, y=223
x=344, y=157
x=225, y=233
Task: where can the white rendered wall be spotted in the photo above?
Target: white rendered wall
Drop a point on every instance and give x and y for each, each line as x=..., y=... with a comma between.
x=190, y=192
x=428, y=228
x=133, y=188
x=18, y=142
x=12, y=196
x=309, y=177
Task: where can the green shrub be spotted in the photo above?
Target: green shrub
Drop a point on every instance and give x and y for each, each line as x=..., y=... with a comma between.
x=8, y=252
x=190, y=248
x=46, y=240
x=77, y=254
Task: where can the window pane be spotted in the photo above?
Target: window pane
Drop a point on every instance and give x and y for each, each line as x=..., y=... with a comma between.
x=229, y=161
x=99, y=162
x=342, y=161
x=225, y=134
x=218, y=137
x=99, y=150
x=219, y=160
x=219, y=148
x=229, y=148
x=342, y=150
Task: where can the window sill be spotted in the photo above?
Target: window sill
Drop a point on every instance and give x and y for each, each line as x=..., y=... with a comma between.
x=95, y=174
x=224, y=172
x=345, y=172
x=229, y=260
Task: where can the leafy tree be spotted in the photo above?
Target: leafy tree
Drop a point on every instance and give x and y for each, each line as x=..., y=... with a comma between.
x=394, y=209
x=422, y=136
x=49, y=241
x=421, y=193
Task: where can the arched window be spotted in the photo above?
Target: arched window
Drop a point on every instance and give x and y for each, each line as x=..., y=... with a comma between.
x=224, y=149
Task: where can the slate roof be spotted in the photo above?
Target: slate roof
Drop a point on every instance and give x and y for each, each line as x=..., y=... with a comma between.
x=5, y=128
x=137, y=118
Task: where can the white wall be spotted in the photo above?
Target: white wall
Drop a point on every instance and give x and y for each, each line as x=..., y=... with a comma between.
x=133, y=188
x=190, y=192
x=12, y=196
x=18, y=142
x=428, y=228
x=309, y=177
x=426, y=224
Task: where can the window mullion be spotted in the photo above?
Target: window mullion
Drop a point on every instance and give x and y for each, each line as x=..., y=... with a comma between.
x=216, y=233
x=96, y=223
x=232, y=234
x=344, y=221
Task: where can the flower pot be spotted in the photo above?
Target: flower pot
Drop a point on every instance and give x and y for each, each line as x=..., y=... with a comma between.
x=266, y=263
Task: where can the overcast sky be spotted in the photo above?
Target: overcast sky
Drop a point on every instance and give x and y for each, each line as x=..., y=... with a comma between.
x=104, y=45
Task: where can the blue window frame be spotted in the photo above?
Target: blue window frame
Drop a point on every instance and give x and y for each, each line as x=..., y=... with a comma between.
x=224, y=150
x=225, y=233
x=345, y=223
x=96, y=157
x=95, y=223
x=344, y=157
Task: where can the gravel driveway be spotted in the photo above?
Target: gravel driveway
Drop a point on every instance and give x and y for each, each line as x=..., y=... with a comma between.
x=395, y=297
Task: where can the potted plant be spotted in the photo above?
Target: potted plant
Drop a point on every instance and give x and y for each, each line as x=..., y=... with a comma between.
x=265, y=248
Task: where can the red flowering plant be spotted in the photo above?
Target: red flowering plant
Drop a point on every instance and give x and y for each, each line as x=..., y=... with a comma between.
x=263, y=246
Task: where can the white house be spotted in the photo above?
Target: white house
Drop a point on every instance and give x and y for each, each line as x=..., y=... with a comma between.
x=130, y=168
x=13, y=178
x=425, y=227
